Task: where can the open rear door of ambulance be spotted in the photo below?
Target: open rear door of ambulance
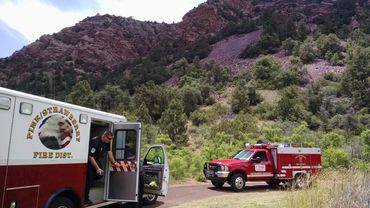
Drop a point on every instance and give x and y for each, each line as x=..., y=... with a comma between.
x=122, y=182
x=156, y=171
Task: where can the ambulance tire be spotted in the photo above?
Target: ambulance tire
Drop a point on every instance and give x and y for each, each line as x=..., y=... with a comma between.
x=237, y=182
x=62, y=202
x=217, y=184
x=149, y=199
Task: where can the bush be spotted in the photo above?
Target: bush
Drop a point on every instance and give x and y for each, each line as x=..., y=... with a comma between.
x=332, y=139
x=307, y=51
x=266, y=70
x=199, y=117
x=335, y=158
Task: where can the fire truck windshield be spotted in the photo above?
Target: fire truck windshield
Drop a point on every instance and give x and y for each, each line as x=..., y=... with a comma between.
x=242, y=155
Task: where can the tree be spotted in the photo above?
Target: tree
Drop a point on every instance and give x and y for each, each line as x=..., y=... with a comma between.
x=290, y=46
x=239, y=99
x=217, y=75
x=155, y=97
x=112, y=97
x=307, y=51
x=142, y=114
x=173, y=121
x=290, y=106
x=82, y=94
x=191, y=98
x=294, y=75
x=243, y=96
x=328, y=43
x=359, y=38
x=266, y=69
x=355, y=81
x=335, y=158
x=332, y=139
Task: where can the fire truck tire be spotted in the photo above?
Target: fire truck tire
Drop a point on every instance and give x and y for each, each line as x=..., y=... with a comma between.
x=300, y=181
x=217, y=184
x=273, y=182
x=149, y=199
x=62, y=202
x=237, y=182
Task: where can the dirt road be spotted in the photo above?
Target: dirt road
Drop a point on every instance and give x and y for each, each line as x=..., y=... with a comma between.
x=180, y=194
x=185, y=193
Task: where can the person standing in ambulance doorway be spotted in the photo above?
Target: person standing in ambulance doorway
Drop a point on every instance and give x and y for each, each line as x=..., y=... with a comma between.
x=98, y=146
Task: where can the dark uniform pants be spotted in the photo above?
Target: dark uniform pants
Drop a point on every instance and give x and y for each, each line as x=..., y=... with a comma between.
x=90, y=178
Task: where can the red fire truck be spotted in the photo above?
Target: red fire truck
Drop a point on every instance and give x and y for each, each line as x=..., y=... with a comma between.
x=44, y=153
x=272, y=163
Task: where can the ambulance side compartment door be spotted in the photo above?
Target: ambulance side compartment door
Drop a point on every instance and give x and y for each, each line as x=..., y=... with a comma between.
x=156, y=171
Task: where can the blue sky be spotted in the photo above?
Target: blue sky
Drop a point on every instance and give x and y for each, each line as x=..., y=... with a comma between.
x=33, y=18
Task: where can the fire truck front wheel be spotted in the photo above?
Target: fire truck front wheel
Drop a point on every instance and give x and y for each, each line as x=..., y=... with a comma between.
x=62, y=202
x=237, y=182
x=217, y=184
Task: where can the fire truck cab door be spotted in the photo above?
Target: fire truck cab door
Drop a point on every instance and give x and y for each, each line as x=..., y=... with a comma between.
x=156, y=171
x=261, y=168
x=122, y=182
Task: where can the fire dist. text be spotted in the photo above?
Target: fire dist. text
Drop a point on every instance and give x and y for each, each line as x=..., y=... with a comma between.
x=50, y=155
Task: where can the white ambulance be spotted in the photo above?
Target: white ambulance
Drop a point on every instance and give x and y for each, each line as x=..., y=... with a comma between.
x=44, y=153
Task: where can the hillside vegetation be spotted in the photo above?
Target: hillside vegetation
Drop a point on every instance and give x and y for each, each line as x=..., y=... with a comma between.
x=202, y=110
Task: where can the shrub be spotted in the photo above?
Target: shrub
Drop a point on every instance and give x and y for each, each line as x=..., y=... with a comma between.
x=335, y=158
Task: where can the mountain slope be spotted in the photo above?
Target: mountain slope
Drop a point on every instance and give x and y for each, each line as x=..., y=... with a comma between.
x=107, y=44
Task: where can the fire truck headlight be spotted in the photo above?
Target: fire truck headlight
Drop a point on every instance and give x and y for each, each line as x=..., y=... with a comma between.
x=224, y=168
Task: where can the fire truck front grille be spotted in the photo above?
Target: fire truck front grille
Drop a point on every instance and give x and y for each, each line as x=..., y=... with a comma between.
x=212, y=166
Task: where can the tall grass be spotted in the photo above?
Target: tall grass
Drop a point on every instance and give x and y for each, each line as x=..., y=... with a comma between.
x=333, y=189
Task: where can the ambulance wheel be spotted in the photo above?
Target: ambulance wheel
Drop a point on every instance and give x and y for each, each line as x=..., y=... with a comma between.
x=217, y=184
x=62, y=202
x=149, y=199
x=237, y=182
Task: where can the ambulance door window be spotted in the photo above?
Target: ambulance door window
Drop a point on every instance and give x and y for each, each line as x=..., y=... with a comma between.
x=156, y=171
x=125, y=148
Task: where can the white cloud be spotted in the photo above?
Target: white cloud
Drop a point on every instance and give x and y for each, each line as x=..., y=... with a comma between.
x=34, y=18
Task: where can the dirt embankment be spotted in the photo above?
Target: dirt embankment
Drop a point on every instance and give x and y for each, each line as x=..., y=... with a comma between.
x=226, y=53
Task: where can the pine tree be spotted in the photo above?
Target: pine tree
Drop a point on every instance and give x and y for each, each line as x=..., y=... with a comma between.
x=173, y=122
x=82, y=94
x=356, y=78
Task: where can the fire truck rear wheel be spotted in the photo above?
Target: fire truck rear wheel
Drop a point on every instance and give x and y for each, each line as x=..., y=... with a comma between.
x=237, y=182
x=62, y=202
x=217, y=184
x=300, y=181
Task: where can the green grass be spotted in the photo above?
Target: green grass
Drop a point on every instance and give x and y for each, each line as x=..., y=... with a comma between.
x=334, y=189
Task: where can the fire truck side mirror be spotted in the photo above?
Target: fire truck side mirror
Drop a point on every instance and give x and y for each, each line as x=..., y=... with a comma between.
x=256, y=160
